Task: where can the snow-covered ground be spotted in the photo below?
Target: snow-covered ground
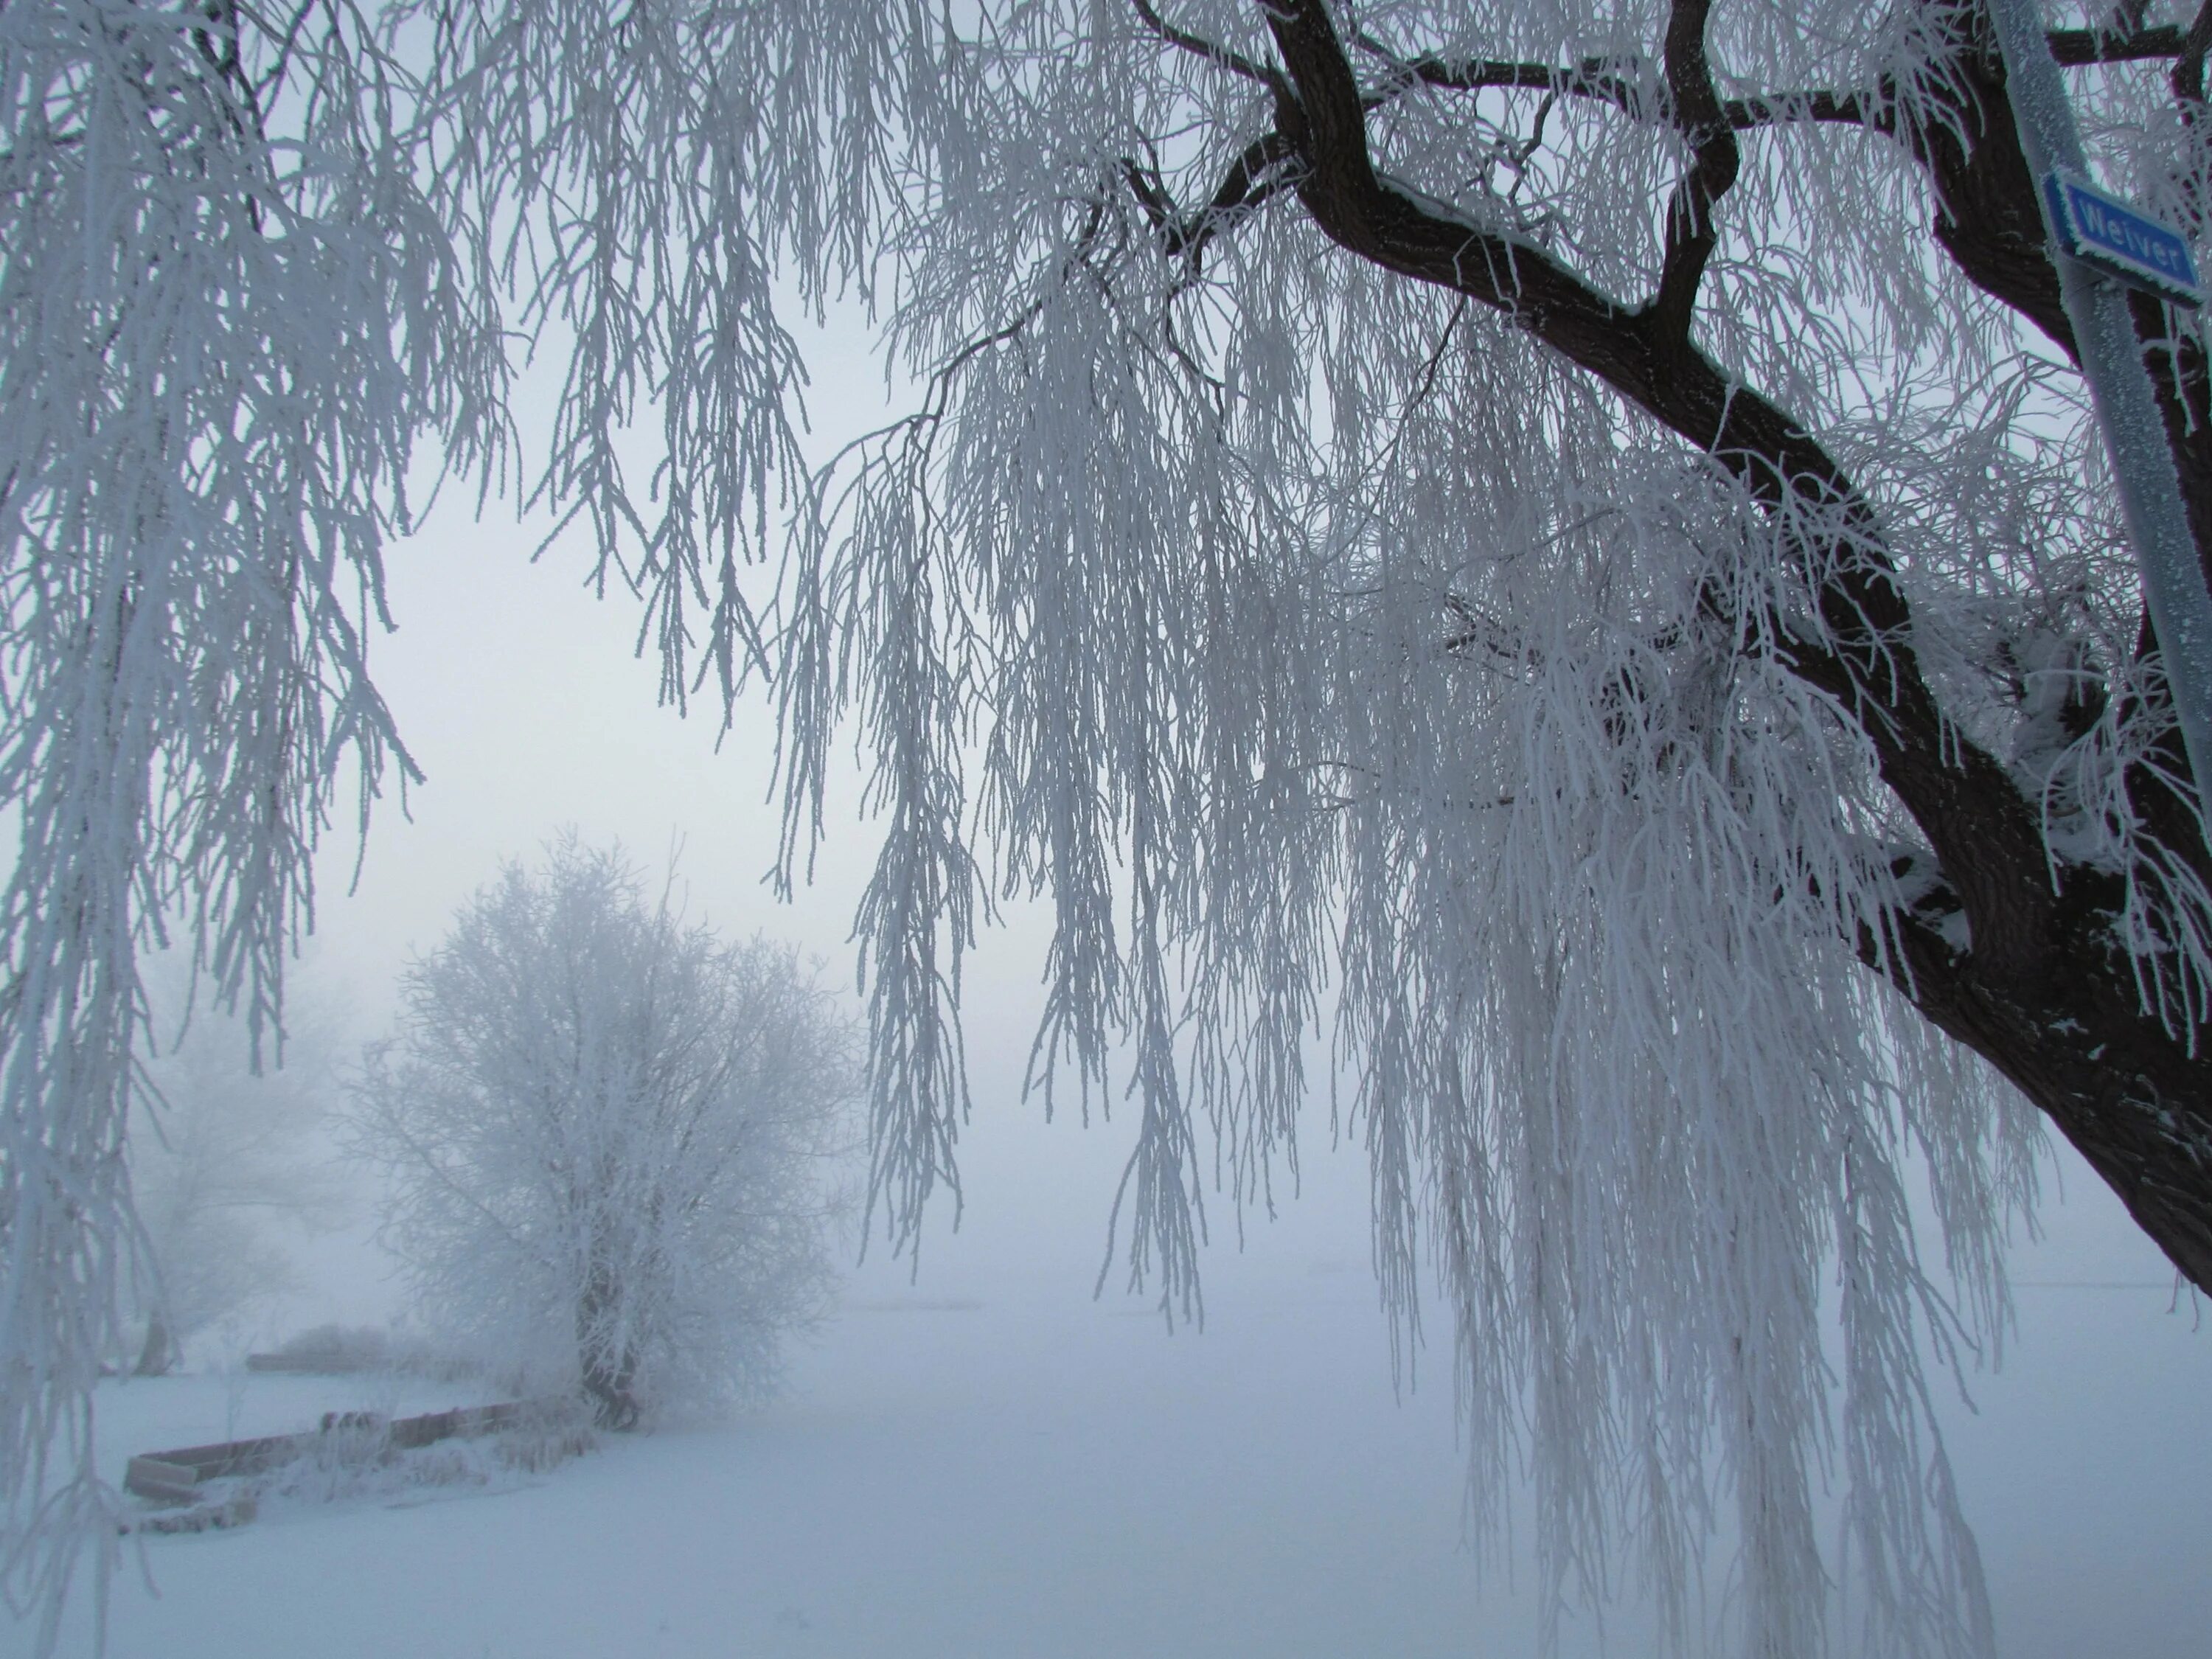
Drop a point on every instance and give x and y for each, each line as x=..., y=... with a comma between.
x=1025, y=1476
x=993, y=1466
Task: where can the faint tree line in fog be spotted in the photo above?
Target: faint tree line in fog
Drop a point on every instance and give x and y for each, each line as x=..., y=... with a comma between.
x=224, y=1163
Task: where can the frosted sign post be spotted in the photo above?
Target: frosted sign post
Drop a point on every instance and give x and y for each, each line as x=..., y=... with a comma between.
x=2100, y=237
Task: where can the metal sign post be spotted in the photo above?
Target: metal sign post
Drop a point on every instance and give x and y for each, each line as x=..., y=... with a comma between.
x=2093, y=233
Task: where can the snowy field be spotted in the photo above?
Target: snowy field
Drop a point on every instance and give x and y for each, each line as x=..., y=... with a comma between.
x=989, y=1466
x=1008, y=1478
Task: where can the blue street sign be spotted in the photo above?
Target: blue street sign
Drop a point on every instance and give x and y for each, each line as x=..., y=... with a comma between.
x=2104, y=231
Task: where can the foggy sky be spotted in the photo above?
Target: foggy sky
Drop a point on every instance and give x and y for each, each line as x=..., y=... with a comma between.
x=2086, y=1467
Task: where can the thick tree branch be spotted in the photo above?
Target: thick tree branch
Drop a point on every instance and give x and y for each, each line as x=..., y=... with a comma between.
x=1977, y=821
x=2074, y=47
x=1774, y=109
x=2189, y=70
x=1622, y=82
x=2129, y=1094
x=1690, y=236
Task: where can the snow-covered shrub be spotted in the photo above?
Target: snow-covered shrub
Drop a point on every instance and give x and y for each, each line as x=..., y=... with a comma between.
x=609, y=1137
x=362, y=1459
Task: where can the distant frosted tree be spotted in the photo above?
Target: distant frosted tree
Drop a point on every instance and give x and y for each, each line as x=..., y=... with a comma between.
x=609, y=1140
x=1561, y=537
x=224, y=1164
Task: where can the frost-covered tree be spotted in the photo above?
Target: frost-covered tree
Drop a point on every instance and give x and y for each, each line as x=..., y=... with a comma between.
x=223, y=1163
x=1560, y=538
x=609, y=1138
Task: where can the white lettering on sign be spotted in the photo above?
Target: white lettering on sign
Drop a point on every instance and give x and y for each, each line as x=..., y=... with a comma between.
x=2102, y=230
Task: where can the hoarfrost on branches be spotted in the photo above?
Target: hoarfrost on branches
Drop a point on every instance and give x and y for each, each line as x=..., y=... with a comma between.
x=1560, y=541
x=609, y=1137
x=247, y=261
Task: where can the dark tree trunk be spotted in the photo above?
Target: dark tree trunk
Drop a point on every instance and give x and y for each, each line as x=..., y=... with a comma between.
x=158, y=1353
x=608, y=1381
x=608, y=1368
